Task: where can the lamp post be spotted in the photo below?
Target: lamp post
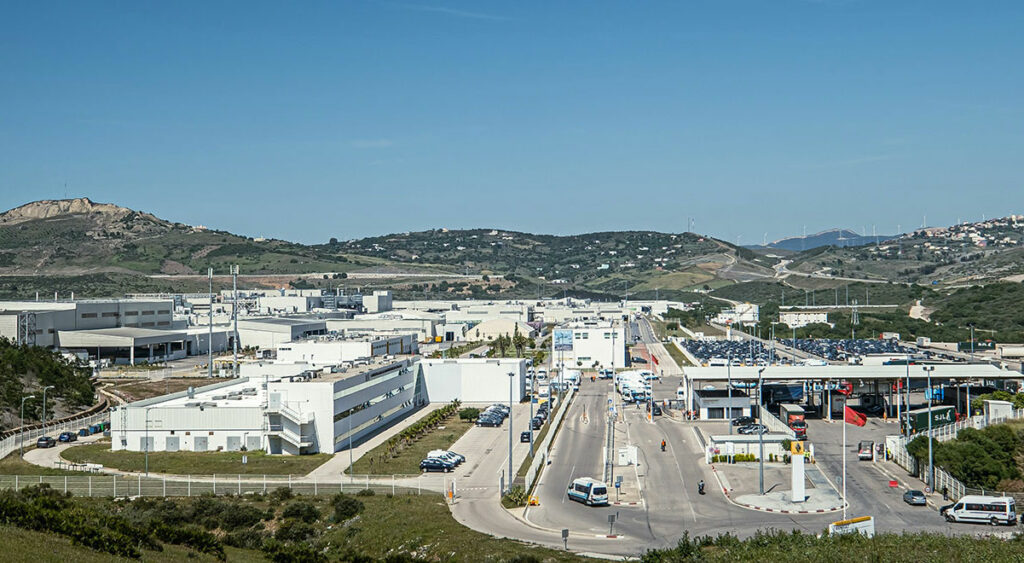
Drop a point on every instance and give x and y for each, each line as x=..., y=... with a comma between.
x=533, y=389
x=931, y=465
x=728, y=371
x=760, y=431
x=906, y=427
x=511, y=378
x=44, y=407
x=23, y=399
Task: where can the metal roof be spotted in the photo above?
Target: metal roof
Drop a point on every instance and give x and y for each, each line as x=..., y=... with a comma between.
x=942, y=371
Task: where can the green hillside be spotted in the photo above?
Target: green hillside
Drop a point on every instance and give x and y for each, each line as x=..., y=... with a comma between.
x=25, y=370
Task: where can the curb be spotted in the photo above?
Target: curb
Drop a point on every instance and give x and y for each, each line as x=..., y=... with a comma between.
x=726, y=492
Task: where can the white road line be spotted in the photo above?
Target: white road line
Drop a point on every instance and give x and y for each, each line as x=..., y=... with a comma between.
x=571, y=471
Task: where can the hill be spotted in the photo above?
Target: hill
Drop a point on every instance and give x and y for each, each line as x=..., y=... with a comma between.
x=111, y=250
x=25, y=370
x=609, y=264
x=831, y=237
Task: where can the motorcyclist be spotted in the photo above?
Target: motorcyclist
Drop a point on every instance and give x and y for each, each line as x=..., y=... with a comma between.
x=700, y=487
x=663, y=445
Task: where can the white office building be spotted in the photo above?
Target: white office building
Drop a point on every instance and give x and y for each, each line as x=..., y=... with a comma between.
x=798, y=319
x=336, y=350
x=592, y=342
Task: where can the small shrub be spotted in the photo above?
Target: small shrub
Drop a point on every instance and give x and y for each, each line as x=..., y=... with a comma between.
x=469, y=414
x=245, y=539
x=516, y=496
x=365, y=493
x=345, y=507
x=281, y=494
x=192, y=537
x=293, y=531
x=302, y=510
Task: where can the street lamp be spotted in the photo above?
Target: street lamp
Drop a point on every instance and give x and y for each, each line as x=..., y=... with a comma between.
x=23, y=399
x=511, y=378
x=760, y=431
x=931, y=465
x=44, y=407
x=728, y=371
x=533, y=389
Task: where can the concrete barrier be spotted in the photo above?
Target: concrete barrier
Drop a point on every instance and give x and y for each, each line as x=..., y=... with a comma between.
x=541, y=452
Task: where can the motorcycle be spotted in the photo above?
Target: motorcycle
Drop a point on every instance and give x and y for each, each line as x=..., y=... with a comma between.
x=663, y=445
x=700, y=488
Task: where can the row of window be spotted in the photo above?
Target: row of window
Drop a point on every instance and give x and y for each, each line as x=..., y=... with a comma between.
x=126, y=313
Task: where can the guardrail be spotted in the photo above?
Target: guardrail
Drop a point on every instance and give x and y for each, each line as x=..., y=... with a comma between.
x=541, y=454
x=11, y=443
x=94, y=485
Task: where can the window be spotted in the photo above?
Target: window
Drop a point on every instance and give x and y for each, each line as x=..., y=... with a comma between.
x=164, y=311
x=131, y=313
x=163, y=323
x=108, y=315
x=144, y=313
x=88, y=315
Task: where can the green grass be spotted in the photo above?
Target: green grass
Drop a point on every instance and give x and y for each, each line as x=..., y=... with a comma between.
x=196, y=463
x=677, y=354
x=14, y=465
x=407, y=462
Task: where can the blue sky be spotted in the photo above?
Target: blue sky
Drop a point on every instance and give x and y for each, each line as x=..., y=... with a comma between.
x=346, y=119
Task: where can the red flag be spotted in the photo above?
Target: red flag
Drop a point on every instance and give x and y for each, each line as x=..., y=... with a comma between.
x=654, y=359
x=854, y=417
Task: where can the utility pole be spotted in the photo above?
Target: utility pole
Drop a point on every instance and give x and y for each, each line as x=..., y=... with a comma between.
x=234, y=315
x=23, y=399
x=931, y=463
x=760, y=432
x=511, y=378
x=44, y=407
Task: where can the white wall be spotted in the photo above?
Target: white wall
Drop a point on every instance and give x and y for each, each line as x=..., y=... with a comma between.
x=474, y=380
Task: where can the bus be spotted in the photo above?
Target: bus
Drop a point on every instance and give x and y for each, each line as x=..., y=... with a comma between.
x=590, y=492
x=982, y=509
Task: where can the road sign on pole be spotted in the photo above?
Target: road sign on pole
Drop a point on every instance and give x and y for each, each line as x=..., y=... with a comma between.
x=565, y=538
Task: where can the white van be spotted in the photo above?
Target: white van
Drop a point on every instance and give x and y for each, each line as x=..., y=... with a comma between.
x=590, y=492
x=680, y=394
x=983, y=509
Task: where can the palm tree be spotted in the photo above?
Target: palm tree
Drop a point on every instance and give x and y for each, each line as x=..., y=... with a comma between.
x=519, y=342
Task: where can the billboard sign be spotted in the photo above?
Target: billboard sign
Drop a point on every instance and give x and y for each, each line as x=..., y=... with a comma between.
x=562, y=340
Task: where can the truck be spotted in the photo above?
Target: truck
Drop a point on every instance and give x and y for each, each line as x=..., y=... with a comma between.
x=793, y=416
x=917, y=420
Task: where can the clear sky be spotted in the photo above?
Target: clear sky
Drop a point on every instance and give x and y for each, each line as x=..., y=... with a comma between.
x=343, y=119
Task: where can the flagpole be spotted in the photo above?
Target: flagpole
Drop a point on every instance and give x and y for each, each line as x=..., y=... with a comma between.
x=844, y=461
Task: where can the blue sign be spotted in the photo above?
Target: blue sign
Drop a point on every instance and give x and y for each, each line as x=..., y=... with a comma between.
x=562, y=340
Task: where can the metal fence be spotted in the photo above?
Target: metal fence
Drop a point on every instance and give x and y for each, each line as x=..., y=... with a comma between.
x=11, y=443
x=944, y=481
x=101, y=485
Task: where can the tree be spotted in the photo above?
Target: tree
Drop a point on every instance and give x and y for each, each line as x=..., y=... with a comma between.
x=519, y=342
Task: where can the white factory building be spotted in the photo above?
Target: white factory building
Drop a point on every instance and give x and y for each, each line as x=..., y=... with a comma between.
x=287, y=411
x=269, y=333
x=587, y=343
x=335, y=350
x=489, y=330
x=742, y=313
x=798, y=319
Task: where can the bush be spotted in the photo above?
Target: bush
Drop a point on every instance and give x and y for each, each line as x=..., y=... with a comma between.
x=280, y=552
x=345, y=507
x=365, y=493
x=281, y=494
x=294, y=530
x=302, y=510
x=246, y=539
x=516, y=496
x=469, y=414
x=192, y=537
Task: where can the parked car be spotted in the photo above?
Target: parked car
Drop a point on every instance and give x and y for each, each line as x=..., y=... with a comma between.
x=489, y=421
x=743, y=421
x=525, y=436
x=45, y=442
x=754, y=429
x=445, y=455
x=915, y=498
x=639, y=360
x=655, y=409
x=435, y=465
x=67, y=437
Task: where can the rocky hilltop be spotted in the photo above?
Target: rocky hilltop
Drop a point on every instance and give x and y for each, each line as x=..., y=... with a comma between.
x=48, y=208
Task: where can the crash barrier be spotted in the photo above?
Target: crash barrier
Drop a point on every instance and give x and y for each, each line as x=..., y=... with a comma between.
x=541, y=452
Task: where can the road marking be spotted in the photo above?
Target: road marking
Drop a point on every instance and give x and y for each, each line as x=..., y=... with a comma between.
x=571, y=471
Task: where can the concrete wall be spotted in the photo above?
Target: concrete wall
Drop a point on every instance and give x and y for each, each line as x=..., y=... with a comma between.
x=477, y=380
